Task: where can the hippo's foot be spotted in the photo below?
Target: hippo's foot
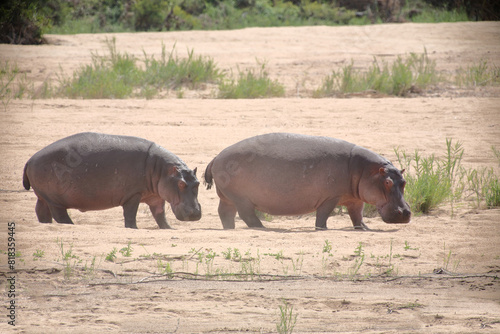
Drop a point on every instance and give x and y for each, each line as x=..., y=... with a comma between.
x=362, y=227
x=131, y=226
x=165, y=227
x=321, y=228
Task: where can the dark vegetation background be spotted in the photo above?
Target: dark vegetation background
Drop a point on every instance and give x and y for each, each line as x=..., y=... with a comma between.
x=26, y=21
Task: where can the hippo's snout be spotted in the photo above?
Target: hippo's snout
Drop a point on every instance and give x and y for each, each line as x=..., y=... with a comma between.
x=405, y=214
x=187, y=212
x=396, y=215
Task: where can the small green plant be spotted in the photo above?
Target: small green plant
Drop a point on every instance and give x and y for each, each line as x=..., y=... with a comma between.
x=8, y=74
x=251, y=85
x=327, y=247
x=407, y=246
x=287, y=318
x=91, y=268
x=447, y=258
x=297, y=264
x=165, y=268
x=278, y=255
x=38, y=254
x=69, y=259
x=492, y=193
x=359, y=250
x=127, y=251
x=111, y=256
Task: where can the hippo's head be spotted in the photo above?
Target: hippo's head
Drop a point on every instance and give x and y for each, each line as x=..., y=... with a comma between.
x=384, y=188
x=179, y=187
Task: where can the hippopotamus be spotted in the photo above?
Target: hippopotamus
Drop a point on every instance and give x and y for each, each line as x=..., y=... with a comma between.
x=293, y=174
x=95, y=171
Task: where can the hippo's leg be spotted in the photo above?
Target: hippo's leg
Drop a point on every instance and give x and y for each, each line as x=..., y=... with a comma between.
x=246, y=212
x=130, y=210
x=60, y=215
x=43, y=212
x=158, y=210
x=355, y=210
x=323, y=212
x=227, y=213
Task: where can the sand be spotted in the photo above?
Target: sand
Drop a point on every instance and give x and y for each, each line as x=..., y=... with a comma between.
x=388, y=285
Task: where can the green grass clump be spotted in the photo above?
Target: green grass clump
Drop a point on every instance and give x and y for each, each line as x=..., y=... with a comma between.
x=251, y=85
x=173, y=72
x=413, y=73
x=430, y=180
x=479, y=74
x=287, y=318
x=118, y=76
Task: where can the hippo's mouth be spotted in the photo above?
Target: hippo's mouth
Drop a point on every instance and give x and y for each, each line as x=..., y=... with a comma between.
x=186, y=213
x=397, y=216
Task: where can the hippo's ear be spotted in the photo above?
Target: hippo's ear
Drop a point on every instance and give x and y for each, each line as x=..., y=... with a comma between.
x=382, y=171
x=402, y=171
x=194, y=170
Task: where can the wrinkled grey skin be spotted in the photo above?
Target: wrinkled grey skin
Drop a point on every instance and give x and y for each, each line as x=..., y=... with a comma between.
x=292, y=174
x=92, y=171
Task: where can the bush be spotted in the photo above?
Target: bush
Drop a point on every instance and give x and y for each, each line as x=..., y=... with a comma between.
x=251, y=86
x=430, y=180
x=413, y=73
x=22, y=22
x=118, y=76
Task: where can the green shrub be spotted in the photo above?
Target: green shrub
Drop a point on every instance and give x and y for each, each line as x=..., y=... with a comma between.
x=480, y=74
x=492, y=193
x=118, y=76
x=430, y=180
x=172, y=72
x=404, y=75
x=251, y=86
x=105, y=77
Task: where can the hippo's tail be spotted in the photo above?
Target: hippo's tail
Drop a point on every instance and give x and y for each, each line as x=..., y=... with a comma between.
x=26, y=181
x=209, y=181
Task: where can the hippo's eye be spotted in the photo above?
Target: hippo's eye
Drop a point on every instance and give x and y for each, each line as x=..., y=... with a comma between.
x=388, y=183
x=182, y=185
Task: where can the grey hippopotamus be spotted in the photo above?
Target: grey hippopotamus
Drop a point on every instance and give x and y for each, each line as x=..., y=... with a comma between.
x=93, y=171
x=292, y=174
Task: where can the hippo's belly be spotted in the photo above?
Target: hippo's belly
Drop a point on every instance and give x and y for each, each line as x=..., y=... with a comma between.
x=280, y=186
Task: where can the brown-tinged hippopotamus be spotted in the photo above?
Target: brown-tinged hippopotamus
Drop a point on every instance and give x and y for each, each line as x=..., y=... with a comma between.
x=293, y=174
x=94, y=171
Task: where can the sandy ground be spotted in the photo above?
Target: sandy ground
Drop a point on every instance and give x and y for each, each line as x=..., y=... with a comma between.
x=288, y=260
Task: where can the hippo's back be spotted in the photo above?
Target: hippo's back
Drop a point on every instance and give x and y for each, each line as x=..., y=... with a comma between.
x=289, y=147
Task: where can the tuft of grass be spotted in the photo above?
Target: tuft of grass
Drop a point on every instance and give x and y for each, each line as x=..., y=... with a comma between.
x=127, y=251
x=413, y=73
x=430, y=180
x=111, y=256
x=38, y=254
x=478, y=74
x=117, y=75
x=173, y=72
x=287, y=318
x=251, y=85
x=69, y=259
x=110, y=76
